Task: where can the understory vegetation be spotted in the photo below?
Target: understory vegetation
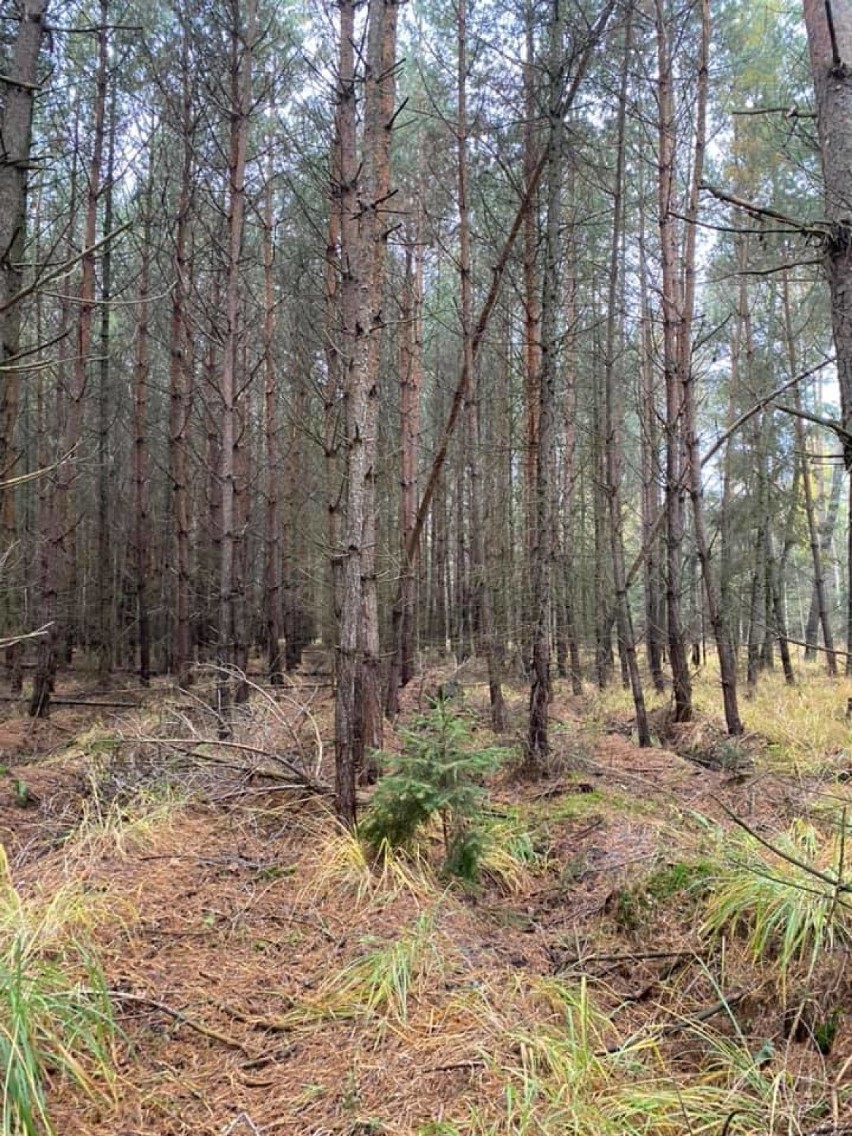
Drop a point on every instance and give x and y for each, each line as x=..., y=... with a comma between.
x=640, y=943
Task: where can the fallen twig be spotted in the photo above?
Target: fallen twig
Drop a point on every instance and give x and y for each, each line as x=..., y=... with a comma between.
x=669, y=1030
x=180, y=1016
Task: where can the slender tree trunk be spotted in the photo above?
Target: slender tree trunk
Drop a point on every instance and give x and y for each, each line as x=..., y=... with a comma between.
x=532, y=310
x=230, y=637
x=142, y=530
x=829, y=28
x=651, y=476
x=537, y=749
x=333, y=390
x=672, y=304
x=718, y=618
x=347, y=725
x=105, y=600
x=379, y=99
x=821, y=602
x=569, y=471
x=614, y=419
x=53, y=499
x=401, y=669
x=482, y=600
x=180, y=385
x=821, y=534
x=272, y=439
x=758, y=597
x=294, y=549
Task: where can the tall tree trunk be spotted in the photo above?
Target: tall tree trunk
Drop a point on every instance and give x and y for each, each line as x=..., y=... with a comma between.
x=614, y=418
x=333, y=390
x=272, y=439
x=105, y=600
x=483, y=599
x=651, y=476
x=569, y=588
x=537, y=749
x=363, y=191
x=230, y=631
x=672, y=304
x=829, y=28
x=21, y=85
x=180, y=382
x=820, y=605
x=347, y=729
x=401, y=669
x=142, y=527
x=718, y=617
x=379, y=99
x=53, y=498
x=63, y=582
x=532, y=312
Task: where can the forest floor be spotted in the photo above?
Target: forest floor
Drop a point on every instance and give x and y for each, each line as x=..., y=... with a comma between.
x=635, y=957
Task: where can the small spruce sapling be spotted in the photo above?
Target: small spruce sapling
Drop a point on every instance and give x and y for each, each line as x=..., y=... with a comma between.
x=437, y=774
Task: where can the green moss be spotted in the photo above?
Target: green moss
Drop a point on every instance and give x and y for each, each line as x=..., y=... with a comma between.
x=680, y=884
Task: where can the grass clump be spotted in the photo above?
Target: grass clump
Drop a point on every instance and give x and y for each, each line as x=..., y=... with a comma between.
x=791, y=900
x=562, y=1073
x=437, y=775
x=55, y=1013
x=381, y=980
x=125, y=822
